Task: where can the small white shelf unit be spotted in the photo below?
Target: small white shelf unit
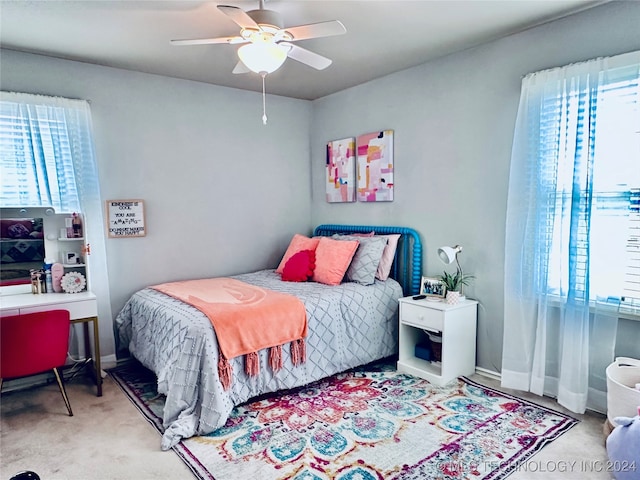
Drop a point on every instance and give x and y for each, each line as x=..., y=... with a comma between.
x=77, y=244
x=457, y=323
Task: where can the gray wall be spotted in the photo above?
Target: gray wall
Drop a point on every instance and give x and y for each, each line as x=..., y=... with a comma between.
x=453, y=120
x=223, y=193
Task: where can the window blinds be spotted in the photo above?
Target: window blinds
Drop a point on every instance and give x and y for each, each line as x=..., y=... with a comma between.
x=596, y=118
x=631, y=290
x=36, y=157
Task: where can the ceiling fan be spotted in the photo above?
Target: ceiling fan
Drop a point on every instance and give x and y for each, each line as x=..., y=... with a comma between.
x=267, y=43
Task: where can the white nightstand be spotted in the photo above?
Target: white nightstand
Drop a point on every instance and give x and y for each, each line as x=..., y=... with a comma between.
x=458, y=326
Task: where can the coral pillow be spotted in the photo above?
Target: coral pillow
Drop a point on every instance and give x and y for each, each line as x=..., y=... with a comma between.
x=333, y=258
x=388, y=254
x=300, y=267
x=297, y=244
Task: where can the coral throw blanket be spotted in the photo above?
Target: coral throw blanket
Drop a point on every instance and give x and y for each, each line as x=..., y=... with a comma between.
x=246, y=319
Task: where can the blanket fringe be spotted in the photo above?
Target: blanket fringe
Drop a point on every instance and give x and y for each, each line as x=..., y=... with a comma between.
x=252, y=361
x=225, y=372
x=275, y=357
x=298, y=351
x=251, y=364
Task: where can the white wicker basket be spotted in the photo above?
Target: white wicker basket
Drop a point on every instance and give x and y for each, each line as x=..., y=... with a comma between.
x=623, y=399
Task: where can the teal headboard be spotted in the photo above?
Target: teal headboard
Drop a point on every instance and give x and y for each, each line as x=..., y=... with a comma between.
x=407, y=265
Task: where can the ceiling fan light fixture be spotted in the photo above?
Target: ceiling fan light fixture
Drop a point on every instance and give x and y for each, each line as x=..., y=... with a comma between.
x=263, y=57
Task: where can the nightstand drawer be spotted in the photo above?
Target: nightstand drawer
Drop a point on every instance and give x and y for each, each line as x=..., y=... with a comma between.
x=422, y=317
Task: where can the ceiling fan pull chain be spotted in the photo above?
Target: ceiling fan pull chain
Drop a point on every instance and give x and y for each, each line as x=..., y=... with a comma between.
x=264, y=102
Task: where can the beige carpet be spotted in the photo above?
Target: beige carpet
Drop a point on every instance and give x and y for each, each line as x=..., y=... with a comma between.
x=107, y=438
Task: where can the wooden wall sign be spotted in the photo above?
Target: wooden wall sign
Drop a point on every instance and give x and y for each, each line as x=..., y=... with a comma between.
x=125, y=218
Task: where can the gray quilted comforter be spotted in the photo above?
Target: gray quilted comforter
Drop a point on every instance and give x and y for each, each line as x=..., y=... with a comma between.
x=349, y=325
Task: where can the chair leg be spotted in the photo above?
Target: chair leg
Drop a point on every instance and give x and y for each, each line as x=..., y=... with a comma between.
x=63, y=391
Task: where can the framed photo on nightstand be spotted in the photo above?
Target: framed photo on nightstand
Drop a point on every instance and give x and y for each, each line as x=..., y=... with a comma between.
x=432, y=287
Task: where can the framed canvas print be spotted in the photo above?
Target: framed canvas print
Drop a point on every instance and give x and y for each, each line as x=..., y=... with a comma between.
x=432, y=287
x=125, y=218
x=375, y=167
x=341, y=170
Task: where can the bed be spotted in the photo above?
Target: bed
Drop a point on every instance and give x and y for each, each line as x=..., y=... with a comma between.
x=349, y=324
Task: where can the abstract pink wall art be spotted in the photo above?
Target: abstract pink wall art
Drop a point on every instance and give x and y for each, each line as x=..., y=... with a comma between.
x=341, y=170
x=375, y=167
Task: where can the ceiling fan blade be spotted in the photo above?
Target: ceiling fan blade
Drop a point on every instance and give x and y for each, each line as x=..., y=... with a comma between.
x=209, y=41
x=315, y=30
x=307, y=57
x=239, y=16
x=240, y=68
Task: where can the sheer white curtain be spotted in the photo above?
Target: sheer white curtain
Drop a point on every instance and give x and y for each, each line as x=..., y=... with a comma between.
x=58, y=128
x=559, y=335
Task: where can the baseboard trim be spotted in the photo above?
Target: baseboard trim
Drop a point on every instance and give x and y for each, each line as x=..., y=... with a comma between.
x=489, y=373
x=109, y=358
x=109, y=361
x=22, y=383
x=27, y=382
x=498, y=377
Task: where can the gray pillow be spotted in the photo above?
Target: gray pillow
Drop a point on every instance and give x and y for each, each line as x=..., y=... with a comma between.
x=365, y=261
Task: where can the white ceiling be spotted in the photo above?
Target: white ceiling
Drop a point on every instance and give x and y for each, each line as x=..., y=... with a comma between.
x=382, y=36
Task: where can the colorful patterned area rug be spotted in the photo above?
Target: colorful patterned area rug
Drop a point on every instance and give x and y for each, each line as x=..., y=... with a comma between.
x=365, y=424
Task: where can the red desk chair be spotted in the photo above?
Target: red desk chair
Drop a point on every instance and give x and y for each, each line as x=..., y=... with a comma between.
x=34, y=343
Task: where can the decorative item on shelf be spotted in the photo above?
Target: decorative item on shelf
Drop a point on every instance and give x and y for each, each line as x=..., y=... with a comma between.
x=68, y=223
x=76, y=223
x=454, y=282
x=73, y=282
x=71, y=258
x=433, y=288
x=48, y=278
x=37, y=281
x=57, y=271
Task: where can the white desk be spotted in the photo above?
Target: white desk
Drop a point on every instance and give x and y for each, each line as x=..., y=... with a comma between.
x=83, y=308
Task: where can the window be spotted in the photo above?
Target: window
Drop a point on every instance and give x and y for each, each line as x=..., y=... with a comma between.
x=631, y=289
x=36, y=157
x=598, y=249
x=47, y=158
x=571, y=243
